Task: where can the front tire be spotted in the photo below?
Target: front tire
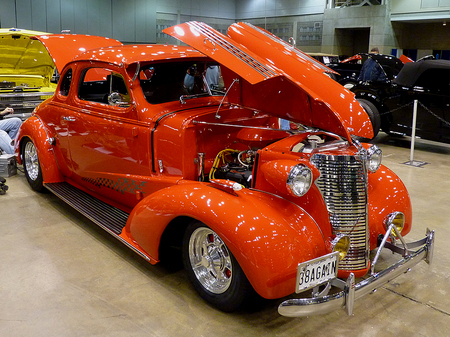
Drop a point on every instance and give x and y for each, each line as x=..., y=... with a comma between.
x=31, y=165
x=213, y=270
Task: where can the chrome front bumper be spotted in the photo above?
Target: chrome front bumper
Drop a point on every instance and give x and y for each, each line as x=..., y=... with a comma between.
x=350, y=291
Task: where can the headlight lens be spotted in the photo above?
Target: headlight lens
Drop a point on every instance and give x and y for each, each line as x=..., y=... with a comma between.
x=374, y=156
x=341, y=244
x=396, y=218
x=299, y=180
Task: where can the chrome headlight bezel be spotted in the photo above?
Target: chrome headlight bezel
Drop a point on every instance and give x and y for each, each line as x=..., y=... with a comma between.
x=374, y=157
x=299, y=180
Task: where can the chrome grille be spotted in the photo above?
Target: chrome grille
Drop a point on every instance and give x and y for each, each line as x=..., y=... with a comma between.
x=342, y=183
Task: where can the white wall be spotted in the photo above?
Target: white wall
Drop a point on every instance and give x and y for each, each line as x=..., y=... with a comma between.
x=272, y=8
x=225, y=9
x=418, y=6
x=125, y=20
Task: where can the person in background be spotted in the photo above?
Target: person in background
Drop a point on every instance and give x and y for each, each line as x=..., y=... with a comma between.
x=213, y=76
x=190, y=83
x=285, y=124
x=8, y=130
x=371, y=70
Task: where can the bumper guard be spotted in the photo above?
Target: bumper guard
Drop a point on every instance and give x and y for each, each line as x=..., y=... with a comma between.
x=301, y=307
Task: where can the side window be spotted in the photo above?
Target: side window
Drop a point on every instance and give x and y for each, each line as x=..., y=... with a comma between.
x=102, y=85
x=436, y=80
x=168, y=82
x=65, y=83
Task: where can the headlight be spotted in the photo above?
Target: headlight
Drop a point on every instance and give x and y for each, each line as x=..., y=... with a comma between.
x=374, y=156
x=341, y=244
x=299, y=180
x=396, y=218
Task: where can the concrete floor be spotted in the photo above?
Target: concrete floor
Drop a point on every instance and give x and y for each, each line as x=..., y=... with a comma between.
x=60, y=275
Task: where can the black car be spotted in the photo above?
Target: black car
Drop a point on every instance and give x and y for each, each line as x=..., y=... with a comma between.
x=390, y=105
x=350, y=68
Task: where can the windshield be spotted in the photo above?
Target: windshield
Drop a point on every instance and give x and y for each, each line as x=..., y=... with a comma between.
x=167, y=82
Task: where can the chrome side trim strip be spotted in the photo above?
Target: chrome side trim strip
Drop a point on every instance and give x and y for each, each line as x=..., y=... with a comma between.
x=231, y=48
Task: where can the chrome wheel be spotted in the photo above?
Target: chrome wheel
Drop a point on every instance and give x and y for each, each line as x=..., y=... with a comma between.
x=31, y=165
x=210, y=260
x=31, y=161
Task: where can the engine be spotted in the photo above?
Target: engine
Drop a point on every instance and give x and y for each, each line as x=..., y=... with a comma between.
x=234, y=165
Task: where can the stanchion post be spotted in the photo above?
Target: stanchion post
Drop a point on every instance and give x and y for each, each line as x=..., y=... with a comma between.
x=413, y=140
x=413, y=135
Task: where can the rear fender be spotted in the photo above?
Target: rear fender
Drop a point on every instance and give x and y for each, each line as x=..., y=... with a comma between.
x=267, y=234
x=35, y=130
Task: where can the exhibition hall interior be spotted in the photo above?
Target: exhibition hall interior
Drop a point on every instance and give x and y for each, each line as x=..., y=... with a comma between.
x=224, y=168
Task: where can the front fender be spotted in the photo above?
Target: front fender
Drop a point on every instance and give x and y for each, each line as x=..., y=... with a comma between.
x=386, y=194
x=35, y=130
x=267, y=234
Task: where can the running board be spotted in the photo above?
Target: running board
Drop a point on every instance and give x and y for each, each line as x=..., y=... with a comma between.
x=106, y=216
x=110, y=218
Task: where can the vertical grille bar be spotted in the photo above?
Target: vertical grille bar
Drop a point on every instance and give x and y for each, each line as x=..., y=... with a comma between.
x=342, y=183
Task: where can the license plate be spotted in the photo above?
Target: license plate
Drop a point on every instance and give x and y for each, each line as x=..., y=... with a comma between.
x=316, y=272
x=30, y=104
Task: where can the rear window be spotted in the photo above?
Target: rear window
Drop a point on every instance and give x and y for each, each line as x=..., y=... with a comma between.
x=436, y=80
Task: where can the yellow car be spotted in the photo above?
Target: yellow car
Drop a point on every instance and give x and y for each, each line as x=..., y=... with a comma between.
x=27, y=71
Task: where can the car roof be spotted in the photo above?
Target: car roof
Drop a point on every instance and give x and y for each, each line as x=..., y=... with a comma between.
x=266, y=62
x=129, y=54
x=411, y=71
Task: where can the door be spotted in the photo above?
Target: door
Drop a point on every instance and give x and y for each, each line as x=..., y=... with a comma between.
x=108, y=145
x=58, y=115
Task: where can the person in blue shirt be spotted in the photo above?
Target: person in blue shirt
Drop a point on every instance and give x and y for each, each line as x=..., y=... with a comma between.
x=371, y=70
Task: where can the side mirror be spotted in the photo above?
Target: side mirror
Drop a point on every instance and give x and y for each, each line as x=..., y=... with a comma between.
x=117, y=99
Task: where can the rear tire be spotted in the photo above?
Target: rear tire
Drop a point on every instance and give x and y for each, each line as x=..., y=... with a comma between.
x=373, y=114
x=31, y=166
x=213, y=270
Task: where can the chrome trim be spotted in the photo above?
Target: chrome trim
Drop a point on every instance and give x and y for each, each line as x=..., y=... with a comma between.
x=201, y=166
x=343, y=185
x=303, y=171
x=371, y=151
x=301, y=307
x=138, y=68
x=217, y=116
x=390, y=226
x=221, y=41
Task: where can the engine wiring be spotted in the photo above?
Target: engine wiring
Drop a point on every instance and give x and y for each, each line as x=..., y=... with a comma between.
x=221, y=158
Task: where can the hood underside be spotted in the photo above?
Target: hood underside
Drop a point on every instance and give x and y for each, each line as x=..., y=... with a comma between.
x=278, y=78
x=63, y=48
x=22, y=56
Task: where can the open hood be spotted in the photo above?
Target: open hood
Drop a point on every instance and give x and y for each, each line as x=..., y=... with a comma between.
x=21, y=56
x=278, y=78
x=64, y=47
